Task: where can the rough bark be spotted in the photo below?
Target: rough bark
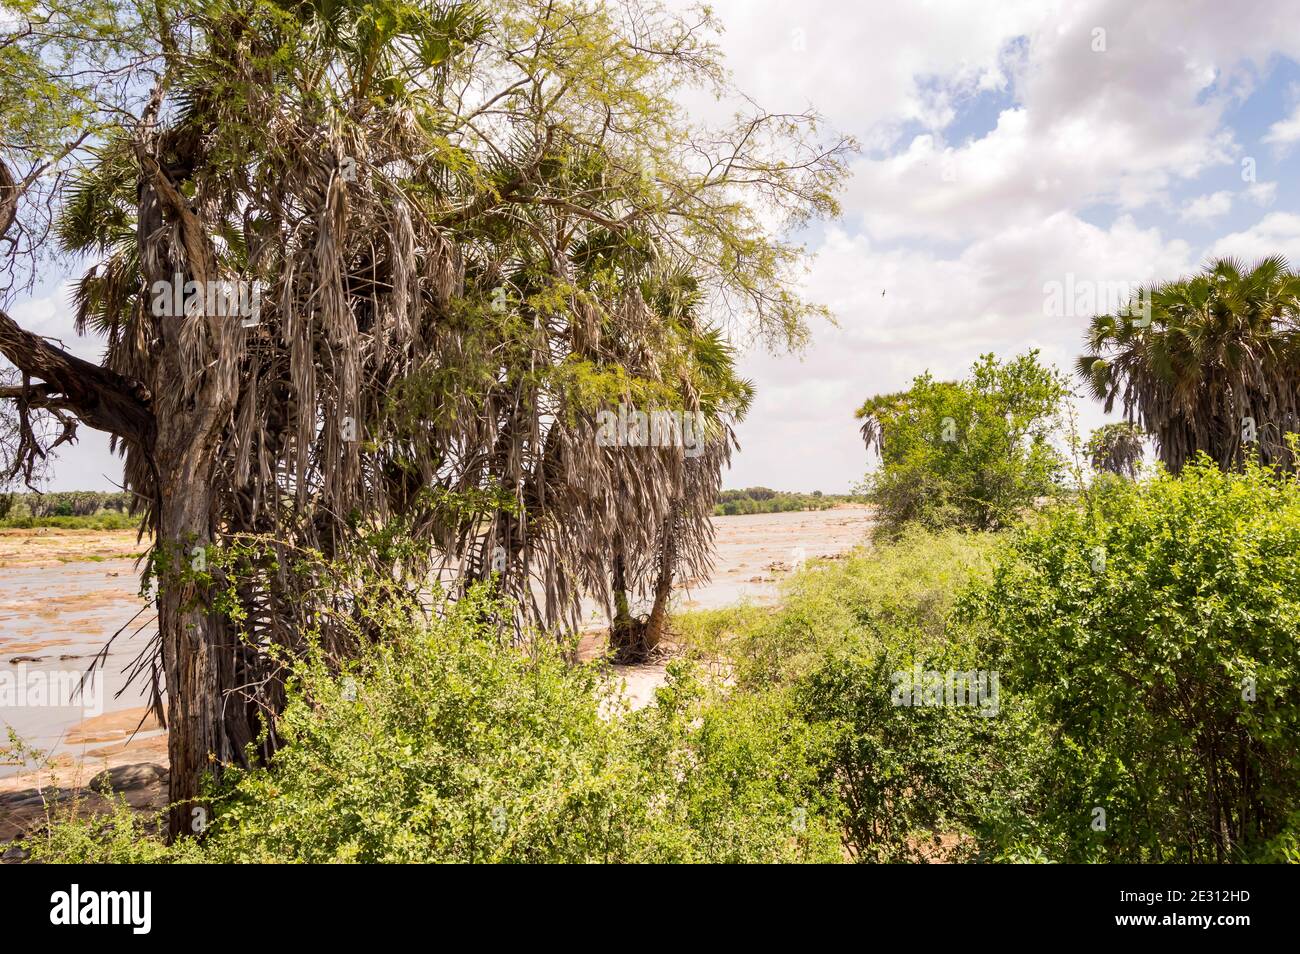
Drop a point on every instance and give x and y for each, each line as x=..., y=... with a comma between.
x=197, y=387
x=189, y=634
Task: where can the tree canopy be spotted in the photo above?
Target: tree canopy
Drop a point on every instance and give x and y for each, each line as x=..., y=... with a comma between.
x=969, y=453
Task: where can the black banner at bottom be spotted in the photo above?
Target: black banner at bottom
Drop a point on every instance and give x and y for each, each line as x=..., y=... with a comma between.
x=139, y=906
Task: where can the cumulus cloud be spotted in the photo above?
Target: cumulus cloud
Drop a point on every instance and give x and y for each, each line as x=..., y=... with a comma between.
x=1203, y=208
x=962, y=230
x=862, y=67
x=938, y=313
x=1278, y=233
x=1262, y=193
x=1284, y=132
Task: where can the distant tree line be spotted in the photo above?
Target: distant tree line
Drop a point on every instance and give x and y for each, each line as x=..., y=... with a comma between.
x=71, y=503
x=766, y=500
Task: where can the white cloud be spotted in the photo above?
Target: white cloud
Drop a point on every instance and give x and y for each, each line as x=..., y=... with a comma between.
x=863, y=67
x=938, y=313
x=962, y=231
x=1122, y=126
x=1285, y=131
x=1278, y=233
x=1262, y=193
x=1203, y=208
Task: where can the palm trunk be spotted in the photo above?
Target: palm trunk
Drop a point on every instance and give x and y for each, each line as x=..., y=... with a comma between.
x=656, y=625
x=634, y=640
x=196, y=665
x=622, y=634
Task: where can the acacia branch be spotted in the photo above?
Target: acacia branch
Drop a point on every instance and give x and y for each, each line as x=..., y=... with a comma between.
x=100, y=397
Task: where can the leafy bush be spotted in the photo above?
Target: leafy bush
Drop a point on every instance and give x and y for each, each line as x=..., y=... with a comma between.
x=896, y=593
x=913, y=782
x=441, y=745
x=971, y=453
x=119, y=836
x=737, y=778
x=1158, y=634
x=444, y=744
x=919, y=782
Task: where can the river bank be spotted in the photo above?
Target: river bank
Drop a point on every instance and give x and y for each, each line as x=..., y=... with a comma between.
x=66, y=596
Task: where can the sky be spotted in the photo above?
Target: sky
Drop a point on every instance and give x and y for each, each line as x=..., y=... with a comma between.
x=1007, y=148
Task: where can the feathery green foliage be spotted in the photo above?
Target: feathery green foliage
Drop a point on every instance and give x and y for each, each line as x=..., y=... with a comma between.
x=1156, y=634
x=971, y=453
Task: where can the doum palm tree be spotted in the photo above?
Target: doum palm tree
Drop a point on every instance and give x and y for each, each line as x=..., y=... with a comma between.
x=1117, y=448
x=1213, y=366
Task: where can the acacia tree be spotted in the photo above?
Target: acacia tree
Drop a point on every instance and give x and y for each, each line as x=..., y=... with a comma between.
x=1215, y=369
x=460, y=221
x=970, y=453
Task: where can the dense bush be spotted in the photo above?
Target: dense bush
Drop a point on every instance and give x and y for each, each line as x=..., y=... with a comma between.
x=738, y=778
x=1147, y=641
x=897, y=594
x=444, y=744
x=1157, y=633
x=914, y=783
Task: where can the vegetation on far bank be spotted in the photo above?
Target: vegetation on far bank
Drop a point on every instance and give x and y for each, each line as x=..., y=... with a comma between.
x=97, y=510
x=67, y=510
x=766, y=500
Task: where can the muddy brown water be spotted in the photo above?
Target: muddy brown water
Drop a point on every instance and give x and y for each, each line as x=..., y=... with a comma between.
x=54, y=620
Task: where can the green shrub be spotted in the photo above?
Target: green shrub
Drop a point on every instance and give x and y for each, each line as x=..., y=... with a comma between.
x=918, y=782
x=912, y=783
x=707, y=634
x=903, y=591
x=72, y=835
x=973, y=453
x=1140, y=627
x=737, y=777
x=443, y=743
